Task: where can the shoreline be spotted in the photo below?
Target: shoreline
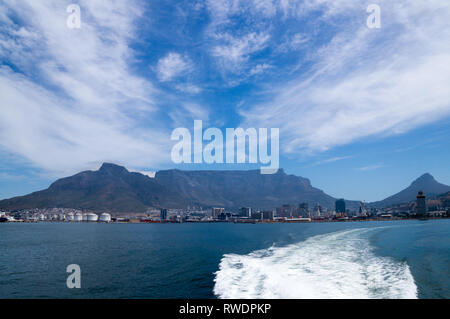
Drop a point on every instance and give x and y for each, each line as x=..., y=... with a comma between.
x=231, y=222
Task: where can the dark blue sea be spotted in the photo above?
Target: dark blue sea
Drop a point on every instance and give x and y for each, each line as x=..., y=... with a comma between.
x=393, y=259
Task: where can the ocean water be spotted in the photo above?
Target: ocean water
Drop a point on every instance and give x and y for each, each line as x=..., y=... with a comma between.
x=393, y=259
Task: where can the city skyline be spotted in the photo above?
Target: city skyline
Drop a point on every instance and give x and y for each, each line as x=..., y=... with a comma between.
x=362, y=112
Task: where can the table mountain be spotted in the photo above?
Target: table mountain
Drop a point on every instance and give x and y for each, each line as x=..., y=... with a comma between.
x=234, y=189
x=114, y=188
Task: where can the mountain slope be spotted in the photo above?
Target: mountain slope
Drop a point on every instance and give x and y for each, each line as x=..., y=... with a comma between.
x=425, y=183
x=113, y=188
x=234, y=189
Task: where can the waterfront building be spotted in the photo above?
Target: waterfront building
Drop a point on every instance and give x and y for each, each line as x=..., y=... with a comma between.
x=223, y=216
x=362, y=209
x=267, y=215
x=303, y=209
x=257, y=215
x=216, y=211
x=78, y=217
x=105, y=218
x=340, y=206
x=317, y=212
x=303, y=206
x=421, y=204
x=91, y=217
x=246, y=212
x=285, y=211
x=163, y=214
x=434, y=205
x=176, y=219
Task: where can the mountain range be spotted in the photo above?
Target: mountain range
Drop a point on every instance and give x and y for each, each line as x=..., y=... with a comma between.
x=114, y=188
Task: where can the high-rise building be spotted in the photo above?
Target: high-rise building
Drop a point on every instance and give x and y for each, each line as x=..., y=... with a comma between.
x=163, y=214
x=216, y=211
x=317, y=212
x=421, y=204
x=257, y=215
x=340, y=206
x=285, y=211
x=303, y=209
x=267, y=215
x=246, y=212
x=223, y=216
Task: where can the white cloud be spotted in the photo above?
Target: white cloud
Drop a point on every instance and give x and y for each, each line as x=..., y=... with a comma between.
x=259, y=68
x=185, y=115
x=298, y=39
x=364, y=82
x=292, y=43
x=53, y=135
x=238, y=49
x=188, y=88
x=332, y=160
x=222, y=11
x=70, y=99
x=370, y=167
x=172, y=66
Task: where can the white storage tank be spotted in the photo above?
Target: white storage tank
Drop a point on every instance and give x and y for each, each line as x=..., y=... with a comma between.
x=85, y=217
x=92, y=217
x=78, y=217
x=105, y=218
x=70, y=217
x=41, y=217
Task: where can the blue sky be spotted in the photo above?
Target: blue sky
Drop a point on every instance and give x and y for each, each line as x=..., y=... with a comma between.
x=362, y=112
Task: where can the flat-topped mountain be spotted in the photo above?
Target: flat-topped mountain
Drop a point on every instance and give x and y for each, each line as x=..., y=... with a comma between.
x=114, y=188
x=242, y=188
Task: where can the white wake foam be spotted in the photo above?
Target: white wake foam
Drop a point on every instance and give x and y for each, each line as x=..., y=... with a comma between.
x=335, y=265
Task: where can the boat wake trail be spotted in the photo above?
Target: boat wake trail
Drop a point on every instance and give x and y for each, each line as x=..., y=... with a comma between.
x=336, y=265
